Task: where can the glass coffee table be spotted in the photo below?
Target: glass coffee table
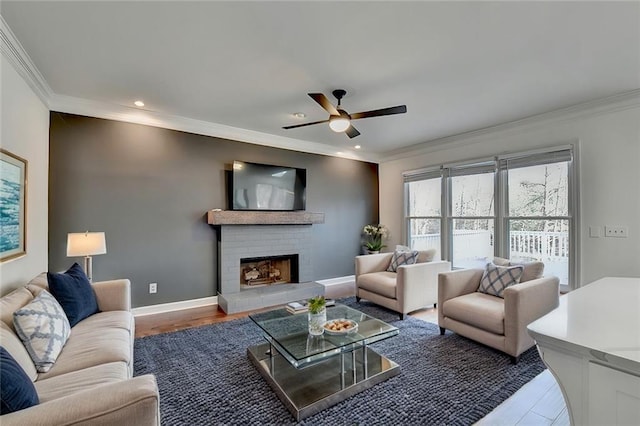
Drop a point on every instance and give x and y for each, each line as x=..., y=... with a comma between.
x=311, y=373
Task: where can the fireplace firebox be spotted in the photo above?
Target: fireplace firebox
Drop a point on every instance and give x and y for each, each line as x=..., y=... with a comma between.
x=268, y=270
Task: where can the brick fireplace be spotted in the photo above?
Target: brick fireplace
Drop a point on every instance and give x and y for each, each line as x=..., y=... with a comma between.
x=246, y=240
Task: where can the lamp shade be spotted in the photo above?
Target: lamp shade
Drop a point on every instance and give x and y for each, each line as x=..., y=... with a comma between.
x=86, y=244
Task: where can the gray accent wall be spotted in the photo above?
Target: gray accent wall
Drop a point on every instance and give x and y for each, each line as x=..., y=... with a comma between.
x=149, y=188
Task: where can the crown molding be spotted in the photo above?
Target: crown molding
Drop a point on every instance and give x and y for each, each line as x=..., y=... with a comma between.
x=14, y=52
x=609, y=104
x=73, y=105
x=18, y=57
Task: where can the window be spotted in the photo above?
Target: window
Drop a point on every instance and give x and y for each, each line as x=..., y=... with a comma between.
x=472, y=218
x=424, y=212
x=537, y=211
x=518, y=206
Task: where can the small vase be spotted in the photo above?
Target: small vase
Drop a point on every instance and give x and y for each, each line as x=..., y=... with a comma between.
x=316, y=322
x=373, y=251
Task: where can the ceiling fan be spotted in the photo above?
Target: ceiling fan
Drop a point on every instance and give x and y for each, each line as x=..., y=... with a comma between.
x=340, y=120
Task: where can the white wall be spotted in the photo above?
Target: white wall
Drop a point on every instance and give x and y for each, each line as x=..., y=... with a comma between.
x=24, y=122
x=609, y=162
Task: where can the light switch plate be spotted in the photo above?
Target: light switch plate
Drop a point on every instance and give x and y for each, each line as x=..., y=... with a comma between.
x=595, y=231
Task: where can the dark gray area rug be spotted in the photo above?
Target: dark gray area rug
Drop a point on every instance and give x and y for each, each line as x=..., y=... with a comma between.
x=205, y=377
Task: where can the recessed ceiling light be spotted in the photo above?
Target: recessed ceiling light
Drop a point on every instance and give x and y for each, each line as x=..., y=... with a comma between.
x=139, y=103
x=299, y=114
x=357, y=147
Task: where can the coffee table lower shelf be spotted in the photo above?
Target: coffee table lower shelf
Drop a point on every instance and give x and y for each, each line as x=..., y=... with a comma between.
x=306, y=391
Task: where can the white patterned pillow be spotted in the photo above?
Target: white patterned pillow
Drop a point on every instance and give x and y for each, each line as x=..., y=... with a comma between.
x=43, y=328
x=402, y=256
x=497, y=278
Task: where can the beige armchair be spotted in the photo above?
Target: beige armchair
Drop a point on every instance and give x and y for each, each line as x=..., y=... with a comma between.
x=494, y=321
x=411, y=288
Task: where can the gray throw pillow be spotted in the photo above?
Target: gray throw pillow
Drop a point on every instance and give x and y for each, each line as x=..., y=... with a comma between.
x=497, y=278
x=402, y=257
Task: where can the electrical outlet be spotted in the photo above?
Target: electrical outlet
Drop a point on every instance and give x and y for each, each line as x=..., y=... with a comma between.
x=153, y=288
x=616, y=231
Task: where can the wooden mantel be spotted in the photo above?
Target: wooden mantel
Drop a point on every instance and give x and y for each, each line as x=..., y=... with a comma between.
x=232, y=217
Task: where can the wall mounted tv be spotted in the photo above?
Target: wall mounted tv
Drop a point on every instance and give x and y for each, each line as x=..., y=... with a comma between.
x=267, y=187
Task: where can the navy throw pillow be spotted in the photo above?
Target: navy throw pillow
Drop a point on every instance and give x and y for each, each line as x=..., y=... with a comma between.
x=73, y=291
x=16, y=388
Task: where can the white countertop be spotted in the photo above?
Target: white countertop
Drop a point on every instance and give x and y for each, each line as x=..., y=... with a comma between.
x=601, y=319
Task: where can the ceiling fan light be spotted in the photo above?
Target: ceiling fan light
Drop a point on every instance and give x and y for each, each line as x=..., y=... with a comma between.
x=339, y=124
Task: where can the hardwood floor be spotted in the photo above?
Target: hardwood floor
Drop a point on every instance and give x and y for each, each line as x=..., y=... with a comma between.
x=148, y=325
x=539, y=402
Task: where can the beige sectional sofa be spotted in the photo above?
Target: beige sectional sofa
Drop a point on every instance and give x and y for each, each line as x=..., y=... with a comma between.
x=91, y=382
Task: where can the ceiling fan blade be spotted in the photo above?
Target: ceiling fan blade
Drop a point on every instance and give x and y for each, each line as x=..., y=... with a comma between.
x=324, y=103
x=352, y=132
x=305, y=124
x=400, y=109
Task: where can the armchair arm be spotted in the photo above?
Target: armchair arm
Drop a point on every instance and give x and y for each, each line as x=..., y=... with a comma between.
x=525, y=303
x=113, y=295
x=134, y=401
x=456, y=283
x=417, y=284
x=372, y=263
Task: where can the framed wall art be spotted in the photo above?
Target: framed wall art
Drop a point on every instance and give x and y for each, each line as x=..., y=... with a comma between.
x=13, y=205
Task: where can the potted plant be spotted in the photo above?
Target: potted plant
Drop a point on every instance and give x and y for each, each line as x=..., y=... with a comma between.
x=374, y=237
x=317, y=315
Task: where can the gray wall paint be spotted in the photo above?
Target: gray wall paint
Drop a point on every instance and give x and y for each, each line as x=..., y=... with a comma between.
x=149, y=188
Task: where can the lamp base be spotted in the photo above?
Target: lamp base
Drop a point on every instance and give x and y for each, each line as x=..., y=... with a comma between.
x=88, y=267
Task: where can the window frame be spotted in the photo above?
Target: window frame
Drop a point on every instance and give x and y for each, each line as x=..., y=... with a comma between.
x=418, y=175
x=549, y=155
x=465, y=169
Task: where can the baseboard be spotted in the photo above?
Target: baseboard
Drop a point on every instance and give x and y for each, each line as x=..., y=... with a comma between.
x=174, y=306
x=338, y=280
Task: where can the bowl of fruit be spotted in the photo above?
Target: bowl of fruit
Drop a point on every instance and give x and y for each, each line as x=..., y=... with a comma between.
x=340, y=326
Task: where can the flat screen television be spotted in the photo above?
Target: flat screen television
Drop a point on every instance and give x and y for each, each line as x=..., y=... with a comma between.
x=267, y=187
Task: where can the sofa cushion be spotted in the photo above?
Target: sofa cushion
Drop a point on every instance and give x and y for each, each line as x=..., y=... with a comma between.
x=402, y=257
x=16, y=388
x=91, y=346
x=497, y=278
x=500, y=261
x=12, y=302
x=478, y=310
x=104, y=321
x=43, y=328
x=532, y=270
x=12, y=343
x=80, y=380
x=382, y=283
x=73, y=290
x=40, y=280
x=426, y=255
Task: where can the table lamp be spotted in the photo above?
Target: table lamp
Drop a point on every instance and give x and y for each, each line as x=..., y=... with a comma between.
x=86, y=244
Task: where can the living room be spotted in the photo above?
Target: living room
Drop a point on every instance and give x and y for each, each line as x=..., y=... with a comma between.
x=147, y=177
